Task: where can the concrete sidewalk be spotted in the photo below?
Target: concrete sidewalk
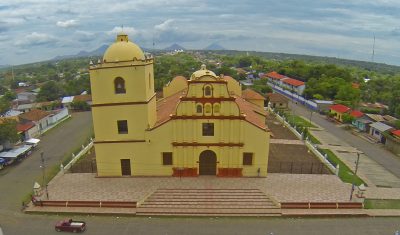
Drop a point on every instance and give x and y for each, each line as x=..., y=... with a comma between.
x=369, y=170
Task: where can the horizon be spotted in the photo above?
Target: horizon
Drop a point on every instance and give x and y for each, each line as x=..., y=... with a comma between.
x=35, y=31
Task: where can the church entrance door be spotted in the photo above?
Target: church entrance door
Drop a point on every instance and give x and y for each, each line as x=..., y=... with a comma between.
x=207, y=163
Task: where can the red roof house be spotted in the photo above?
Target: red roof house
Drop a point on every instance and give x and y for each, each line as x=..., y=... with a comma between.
x=356, y=114
x=293, y=82
x=338, y=110
x=396, y=133
x=274, y=75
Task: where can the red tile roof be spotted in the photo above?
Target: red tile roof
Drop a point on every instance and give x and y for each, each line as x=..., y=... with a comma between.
x=339, y=108
x=277, y=98
x=34, y=115
x=356, y=113
x=250, y=94
x=396, y=133
x=25, y=126
x=252, y=112
x=167, y=106
x=292, y=82
x=82, y=98
x=275, y=75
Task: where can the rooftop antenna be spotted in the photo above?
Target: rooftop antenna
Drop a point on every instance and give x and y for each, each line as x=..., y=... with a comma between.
x=373, y=50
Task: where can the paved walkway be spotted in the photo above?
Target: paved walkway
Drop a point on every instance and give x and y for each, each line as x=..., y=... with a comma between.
x=370, y=171
x=281, y=187
x=285, y=141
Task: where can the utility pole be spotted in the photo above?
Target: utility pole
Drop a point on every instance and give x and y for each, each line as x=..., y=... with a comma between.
x=355, y=174
x=43, y=166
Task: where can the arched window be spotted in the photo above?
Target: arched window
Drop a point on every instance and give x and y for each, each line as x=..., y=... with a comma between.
x=119, y=85
x=207, y=108
x=199, y=109
x=207, y=91
x=216, y=108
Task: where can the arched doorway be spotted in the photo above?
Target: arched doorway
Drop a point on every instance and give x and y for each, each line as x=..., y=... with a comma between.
x=207, y=163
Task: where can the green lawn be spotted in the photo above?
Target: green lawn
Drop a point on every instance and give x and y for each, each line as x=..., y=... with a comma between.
x=345, y=173
x=382, y=204
x=299, y=121
x=313, y=139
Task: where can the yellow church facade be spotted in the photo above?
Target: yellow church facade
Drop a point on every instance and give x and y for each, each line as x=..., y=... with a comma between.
x=202, y=125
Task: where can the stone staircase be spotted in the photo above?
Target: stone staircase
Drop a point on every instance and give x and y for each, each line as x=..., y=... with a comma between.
x=208, y=202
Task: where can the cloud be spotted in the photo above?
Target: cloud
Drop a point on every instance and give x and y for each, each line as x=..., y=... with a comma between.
x=128, y=30
x=67, y=23
x=84, y=36
x=166, y=25
x=36, y=39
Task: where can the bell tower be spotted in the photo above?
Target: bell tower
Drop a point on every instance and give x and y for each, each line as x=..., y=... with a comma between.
x=124, y=102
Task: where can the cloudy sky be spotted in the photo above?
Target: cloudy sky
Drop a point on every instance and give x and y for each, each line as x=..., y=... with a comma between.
x=35, y=30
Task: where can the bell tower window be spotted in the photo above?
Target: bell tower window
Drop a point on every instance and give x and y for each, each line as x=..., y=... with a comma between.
x=119, y=86
x=207, y=91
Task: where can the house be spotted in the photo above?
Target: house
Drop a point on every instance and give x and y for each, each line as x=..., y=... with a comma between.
x=57, y=115
x=293, y=85
x=27, y=130
x=377, y=129
x=253, y=97
x=84, y=97
x=323, y=105
x=204, y=129
x=274, y=77
x=37, y=116
x=276, y=100
x=393, y=142
x=338, y=110
x=26, y=97
x=358, y=122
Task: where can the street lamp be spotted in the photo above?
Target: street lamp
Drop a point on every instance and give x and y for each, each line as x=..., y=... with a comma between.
x=355, y=175
x=43, y=166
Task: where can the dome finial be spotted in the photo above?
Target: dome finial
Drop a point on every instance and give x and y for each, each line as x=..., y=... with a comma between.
x=203, y=67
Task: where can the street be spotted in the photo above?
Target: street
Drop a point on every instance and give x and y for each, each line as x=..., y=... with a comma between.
x=375, y=152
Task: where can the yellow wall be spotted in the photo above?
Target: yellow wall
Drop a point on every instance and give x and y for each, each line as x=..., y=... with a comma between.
x=144, y=143
x=176, y=85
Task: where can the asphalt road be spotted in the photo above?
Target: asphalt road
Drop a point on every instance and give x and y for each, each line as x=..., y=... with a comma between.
x=16, y=181
x=374, y=151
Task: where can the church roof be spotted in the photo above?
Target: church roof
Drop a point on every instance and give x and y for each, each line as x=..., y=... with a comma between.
x=252, y=112
x=166, y=107
x=123, y=50
x=250, y=94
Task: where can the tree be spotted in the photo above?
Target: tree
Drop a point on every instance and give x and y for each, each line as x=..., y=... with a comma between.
x=80, y=105
x=8, y=131
x=347, y=118
x=50, y=91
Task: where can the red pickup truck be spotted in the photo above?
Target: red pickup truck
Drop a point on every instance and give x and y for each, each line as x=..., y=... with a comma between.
x=69, y=225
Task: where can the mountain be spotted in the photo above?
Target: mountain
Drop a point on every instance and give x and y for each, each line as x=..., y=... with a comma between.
x=174, y=47
x=97, y=52
x=214, y=47
x=4, y=66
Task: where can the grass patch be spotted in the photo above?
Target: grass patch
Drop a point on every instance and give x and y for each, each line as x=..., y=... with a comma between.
x=313, y=139
x=382, y=204
x=299, y=121
x=345, y=173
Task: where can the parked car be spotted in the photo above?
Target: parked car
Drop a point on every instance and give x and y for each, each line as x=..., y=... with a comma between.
x=70, y=225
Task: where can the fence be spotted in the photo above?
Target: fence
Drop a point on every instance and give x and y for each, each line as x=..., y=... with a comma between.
x=297, y=168
x=84, y=166
x=297, y=98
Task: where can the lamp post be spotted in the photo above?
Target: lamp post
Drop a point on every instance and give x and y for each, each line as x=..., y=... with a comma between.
x=43, y=166
x=310, y=116
x=355, y=174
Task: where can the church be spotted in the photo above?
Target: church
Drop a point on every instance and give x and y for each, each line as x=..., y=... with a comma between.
x=203, y=125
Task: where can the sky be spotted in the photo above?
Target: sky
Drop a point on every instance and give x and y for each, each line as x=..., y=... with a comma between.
x=37, y=30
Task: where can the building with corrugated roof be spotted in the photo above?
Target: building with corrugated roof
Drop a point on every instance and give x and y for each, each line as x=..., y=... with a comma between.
x=201, y=127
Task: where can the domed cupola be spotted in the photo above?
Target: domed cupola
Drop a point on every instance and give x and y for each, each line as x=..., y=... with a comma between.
x=123, y=50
